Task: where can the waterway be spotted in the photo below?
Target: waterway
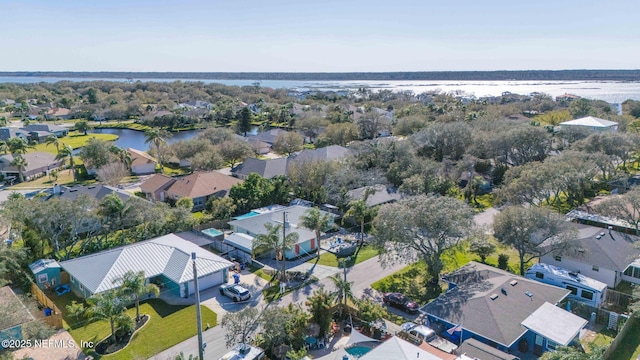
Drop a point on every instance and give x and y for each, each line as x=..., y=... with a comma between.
x=128, y=138
x=610, y=91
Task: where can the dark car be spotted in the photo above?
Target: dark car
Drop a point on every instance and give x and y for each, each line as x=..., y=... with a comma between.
x=401, y=302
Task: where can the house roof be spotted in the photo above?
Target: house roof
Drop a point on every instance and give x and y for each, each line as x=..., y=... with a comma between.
x=196, y=237
x=169, y=255
x=44, y=127
x=58, y=112
x=139, y=158
x=35, y=160
x=590, y=121
x=242, y=241
x=14, y=312
x=156, y=182
x=42, y=264
x=382, y=194
x=328, y=153
x=477, y=350
x=200, y=184
x=98, y=191
x=266, y=168
x=555, y=324
x=255, y=224
x=486, y=303
x=269, y=136
x=614, y=250
x=398, y=349
x=8, y=132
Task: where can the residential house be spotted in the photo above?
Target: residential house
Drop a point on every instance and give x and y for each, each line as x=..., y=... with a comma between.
x=141, y=162
x=472, y=349
x=38, y=164
x=199, y=186
x=398, y=349
x=14, y=316
x=165, y=261
x=268, y=136
x=590, y=123
x=196, y=104
x=605, y=255
x=57, y=113
x=47, y=273
x=566, y=97
x=268, y=168
x=328, y=153
x=40, y=132
x=260, y=147
x=248, y=226
x=7, y=133
x=97, y=191
x=508, y=312
x=376, y=195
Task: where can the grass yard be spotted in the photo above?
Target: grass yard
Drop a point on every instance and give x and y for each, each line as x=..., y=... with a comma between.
x=329, y=259
x=75, y=140
x=168, y=326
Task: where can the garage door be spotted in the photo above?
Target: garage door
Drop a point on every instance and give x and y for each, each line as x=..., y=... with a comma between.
x=206, y=282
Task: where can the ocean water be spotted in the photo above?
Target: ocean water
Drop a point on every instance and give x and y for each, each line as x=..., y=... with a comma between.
x=610, y=91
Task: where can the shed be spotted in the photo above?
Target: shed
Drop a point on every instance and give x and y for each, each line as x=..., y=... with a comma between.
x=46, y=272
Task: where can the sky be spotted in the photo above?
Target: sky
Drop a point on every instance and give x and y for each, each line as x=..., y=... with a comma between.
x=318, y=35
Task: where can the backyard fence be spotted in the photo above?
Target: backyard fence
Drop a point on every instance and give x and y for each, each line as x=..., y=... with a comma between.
x=55, y=319
x=628, y=334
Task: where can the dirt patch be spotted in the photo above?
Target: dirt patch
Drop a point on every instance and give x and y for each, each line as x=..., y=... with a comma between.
x=59, y=346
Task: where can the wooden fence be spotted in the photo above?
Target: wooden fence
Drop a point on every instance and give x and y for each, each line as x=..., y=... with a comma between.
x=55, y=319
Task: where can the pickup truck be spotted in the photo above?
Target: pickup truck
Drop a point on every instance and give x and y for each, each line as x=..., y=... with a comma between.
x=424, y=333
x=235, y=292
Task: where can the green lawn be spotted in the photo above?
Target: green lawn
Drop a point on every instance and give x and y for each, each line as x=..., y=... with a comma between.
x=168, y=326
x=329, y=259
x=75, y=140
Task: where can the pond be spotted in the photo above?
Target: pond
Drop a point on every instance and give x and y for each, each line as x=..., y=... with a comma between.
x=128, y=138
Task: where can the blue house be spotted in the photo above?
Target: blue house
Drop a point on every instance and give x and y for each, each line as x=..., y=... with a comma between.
x=511, y=313
x=46, y=272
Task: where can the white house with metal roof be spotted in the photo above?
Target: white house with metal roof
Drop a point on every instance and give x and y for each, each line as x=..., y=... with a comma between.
x=591, y=123
x=166, y=261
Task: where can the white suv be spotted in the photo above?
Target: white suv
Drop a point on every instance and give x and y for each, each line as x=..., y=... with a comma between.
x=235, y=292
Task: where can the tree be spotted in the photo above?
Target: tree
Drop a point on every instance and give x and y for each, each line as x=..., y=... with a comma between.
x=240, y=325
x=360, y=212
x=67, y=152
x=343, y=290
x=17, y=145
x=108, y=306
x=185, y=203
x=207, y=160
x=244, y=121
x=96, y=153
x=624, y=207
x=482, y=246
x=318, y=305
x=421, y=226
x=574, y=353
x=275, y=240
x=115, y=212
x=21, y=164
x=338, y=134
x=311, y=125
x=527, y=228
x=221, y=208
x=112, y=173
x=133, y=285
x=288, y=143
x=52, y=139
x=254, y=192
x=442, y=140
x=234, y=151
x=82, y=126
x=157, y=138
x=370, y=311
x=315, y=220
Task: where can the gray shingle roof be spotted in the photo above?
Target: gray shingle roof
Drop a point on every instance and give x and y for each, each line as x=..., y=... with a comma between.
x=168, y=255
x=98, y=191
x=329, y=153
x=383, y=194
x=266, y=168
x=499, y=320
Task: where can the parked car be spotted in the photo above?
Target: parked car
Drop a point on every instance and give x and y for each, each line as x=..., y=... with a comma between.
x=235, y=292
x=429, y=336
x=401, y=302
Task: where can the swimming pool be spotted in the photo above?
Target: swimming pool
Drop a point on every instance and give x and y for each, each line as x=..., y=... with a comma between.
x=247, y=215
x=358, y=351
x=212, y=232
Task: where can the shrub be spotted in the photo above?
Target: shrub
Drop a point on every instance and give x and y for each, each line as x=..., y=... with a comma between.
x=503, y=261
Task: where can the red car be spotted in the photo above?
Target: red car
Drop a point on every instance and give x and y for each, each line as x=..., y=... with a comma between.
x=401, y=302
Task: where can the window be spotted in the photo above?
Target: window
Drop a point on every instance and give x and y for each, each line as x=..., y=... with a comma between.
x=629, y=271
x=574, y=290
x=42, y=278
x=586, y=295
x=636, y=273
x=595, y=268
x=539, y=275
x=551, y=345
x=557, y=258
x=80, y=286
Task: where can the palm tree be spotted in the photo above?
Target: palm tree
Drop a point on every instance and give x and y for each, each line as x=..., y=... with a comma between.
x=343, y=289
x=156, y=138
x=52, y=139
x=123, y=155
x=67, y=152
x=317, y=221
x=21, y=163
x=108, y=306
x=134, y=285
x=114, y=210
x=17, y=145
x=279, y=244
x=360, y=212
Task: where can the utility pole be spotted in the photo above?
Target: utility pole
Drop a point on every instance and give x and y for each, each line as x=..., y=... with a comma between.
x=198, y=314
